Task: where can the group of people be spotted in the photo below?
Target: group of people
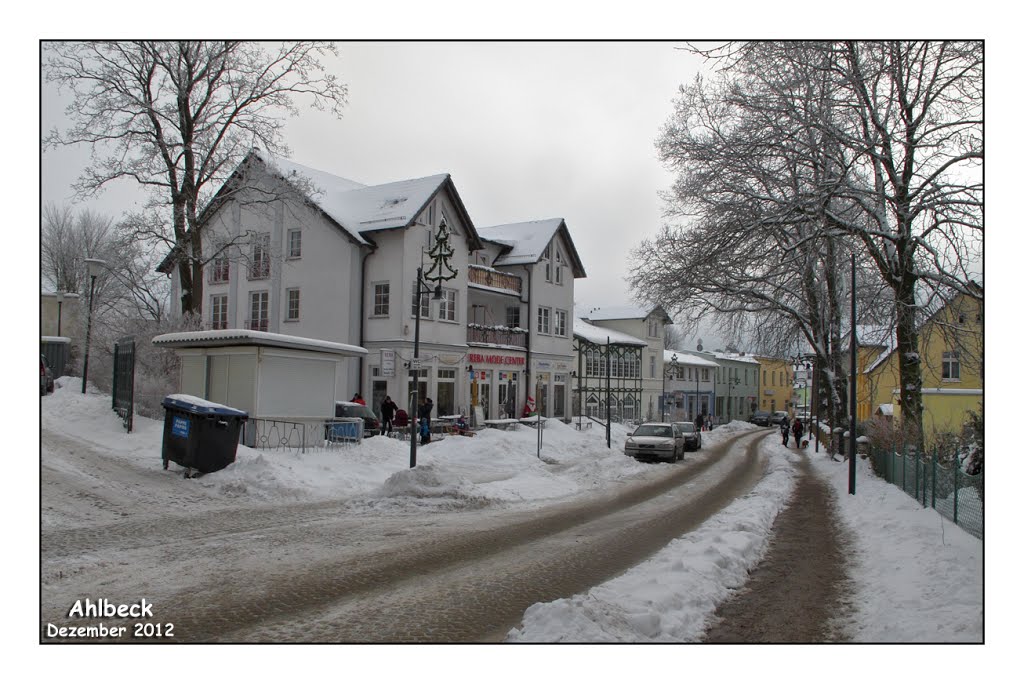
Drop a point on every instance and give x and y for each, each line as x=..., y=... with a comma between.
x=389, y=409
x=704, y=423
x=797, y=428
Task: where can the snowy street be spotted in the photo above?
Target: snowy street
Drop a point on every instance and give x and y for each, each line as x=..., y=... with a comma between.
x=482, y=541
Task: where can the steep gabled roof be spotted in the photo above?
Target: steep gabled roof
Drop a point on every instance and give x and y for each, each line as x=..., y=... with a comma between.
x=523, y=243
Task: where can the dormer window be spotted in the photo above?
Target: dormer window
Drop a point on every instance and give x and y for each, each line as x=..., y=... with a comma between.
x=652, y=327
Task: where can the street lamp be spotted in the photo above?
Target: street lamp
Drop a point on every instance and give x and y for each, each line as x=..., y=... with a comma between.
x=439, y=254
x=664, y=400
x=60, y=306
x=95, y=267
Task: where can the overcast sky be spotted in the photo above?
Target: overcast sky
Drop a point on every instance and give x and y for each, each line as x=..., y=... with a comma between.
x=527, y=130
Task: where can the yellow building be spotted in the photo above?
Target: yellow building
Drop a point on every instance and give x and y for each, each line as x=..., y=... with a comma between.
x=776, y=386
x=951, y=348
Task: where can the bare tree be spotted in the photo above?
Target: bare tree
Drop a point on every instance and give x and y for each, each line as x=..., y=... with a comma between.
x=178, y=117
x=799, y=154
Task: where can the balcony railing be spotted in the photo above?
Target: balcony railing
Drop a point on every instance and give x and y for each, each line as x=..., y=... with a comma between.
x=487, y=277
x=257, y=324
x=506, y=337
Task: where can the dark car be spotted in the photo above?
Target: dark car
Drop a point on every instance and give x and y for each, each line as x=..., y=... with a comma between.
x=691, y=435
x=350, y=409
x=762, y=418
x=45, y=376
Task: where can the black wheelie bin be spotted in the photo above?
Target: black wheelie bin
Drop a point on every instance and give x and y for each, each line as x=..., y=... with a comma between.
x=199, y=434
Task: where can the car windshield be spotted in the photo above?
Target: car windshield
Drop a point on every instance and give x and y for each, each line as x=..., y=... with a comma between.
x=686, y=427
x=653, y=431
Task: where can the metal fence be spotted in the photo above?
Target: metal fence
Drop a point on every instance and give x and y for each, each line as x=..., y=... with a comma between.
x=123, y=388
x=273, y=434
x=946, y=488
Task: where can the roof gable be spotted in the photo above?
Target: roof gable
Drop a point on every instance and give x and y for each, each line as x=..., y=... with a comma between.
x=525, y=242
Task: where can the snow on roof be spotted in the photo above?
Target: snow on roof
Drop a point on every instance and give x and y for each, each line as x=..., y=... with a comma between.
x=598, y=335
x=358, y=207
x=240, y=337
x=527, y=240
x=620, y=313
x=884, y=409
x=732, y=356
x=688, y=359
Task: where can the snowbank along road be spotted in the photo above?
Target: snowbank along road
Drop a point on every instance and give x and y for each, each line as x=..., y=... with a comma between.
x=323, y=573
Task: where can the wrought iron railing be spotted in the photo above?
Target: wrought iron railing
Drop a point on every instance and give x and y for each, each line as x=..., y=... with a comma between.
x=259, y=270
x=261, y=324
x=315, y=434
x=508, y=337
x=123, y=389
x=479, y=275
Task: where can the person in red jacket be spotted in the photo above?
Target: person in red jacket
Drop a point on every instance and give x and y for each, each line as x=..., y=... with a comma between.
x=358, y=399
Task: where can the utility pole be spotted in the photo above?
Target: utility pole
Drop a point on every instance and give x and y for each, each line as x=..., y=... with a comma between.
x=853, y=374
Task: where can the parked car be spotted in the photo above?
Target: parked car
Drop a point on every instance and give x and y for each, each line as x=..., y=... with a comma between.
x=350, y=409
x=762, y=418
x=45, y=376
x=778, y=416
x=655, y=442
x=691, y=436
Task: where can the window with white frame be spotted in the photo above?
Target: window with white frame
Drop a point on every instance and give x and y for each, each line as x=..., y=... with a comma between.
x=446, y=308
x=424, y=302
x=546, y=258
x=652, y=327
x=219, y=312
x=652, y=366
x=951, y=366
x=512, y=316
x=259, y=310
x=292, y=297
x=561, y=323
x=294, y=243
x=382, y=299
x=259, y=266
x=544, y=320
x=558, y=267
x=220, y=271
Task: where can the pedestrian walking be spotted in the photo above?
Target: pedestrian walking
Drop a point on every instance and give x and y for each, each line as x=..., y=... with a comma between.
x=698, y=422
x=798, y=431
x=387, y=415
x=710, y=423
x=357, y=398
x=784, y=427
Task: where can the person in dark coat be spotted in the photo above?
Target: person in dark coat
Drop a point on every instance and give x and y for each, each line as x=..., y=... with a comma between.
x=784, y=427
x=387, y=415
x=698, y=422
x=424, y=415
x=798, y=431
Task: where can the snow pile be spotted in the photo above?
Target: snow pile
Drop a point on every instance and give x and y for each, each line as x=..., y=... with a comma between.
x=671, y=596
x=917, y=576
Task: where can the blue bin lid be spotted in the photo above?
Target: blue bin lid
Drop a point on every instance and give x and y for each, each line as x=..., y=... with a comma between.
x=200, y=407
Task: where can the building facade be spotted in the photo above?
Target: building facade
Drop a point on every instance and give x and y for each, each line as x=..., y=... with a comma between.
x=331, y=259
x=648, y=325
x=690, y=385
x=737, y=385
x=776, y=386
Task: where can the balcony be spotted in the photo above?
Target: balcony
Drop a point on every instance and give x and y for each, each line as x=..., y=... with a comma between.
x=496, y=335
x=484, y=277
x=257, y=324
x=259, y=270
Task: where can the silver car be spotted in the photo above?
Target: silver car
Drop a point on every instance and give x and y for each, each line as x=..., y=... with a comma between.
x=655, y=442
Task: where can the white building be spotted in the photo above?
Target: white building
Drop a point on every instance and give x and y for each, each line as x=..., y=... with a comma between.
x=647, y=324
x=737, y=385
x=690, y=384
x=319, y=256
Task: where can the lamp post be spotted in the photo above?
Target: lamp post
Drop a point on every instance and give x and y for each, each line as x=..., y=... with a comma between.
x=439, y=254
x=95, y=267
x=60, y=306
x=664, y=375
